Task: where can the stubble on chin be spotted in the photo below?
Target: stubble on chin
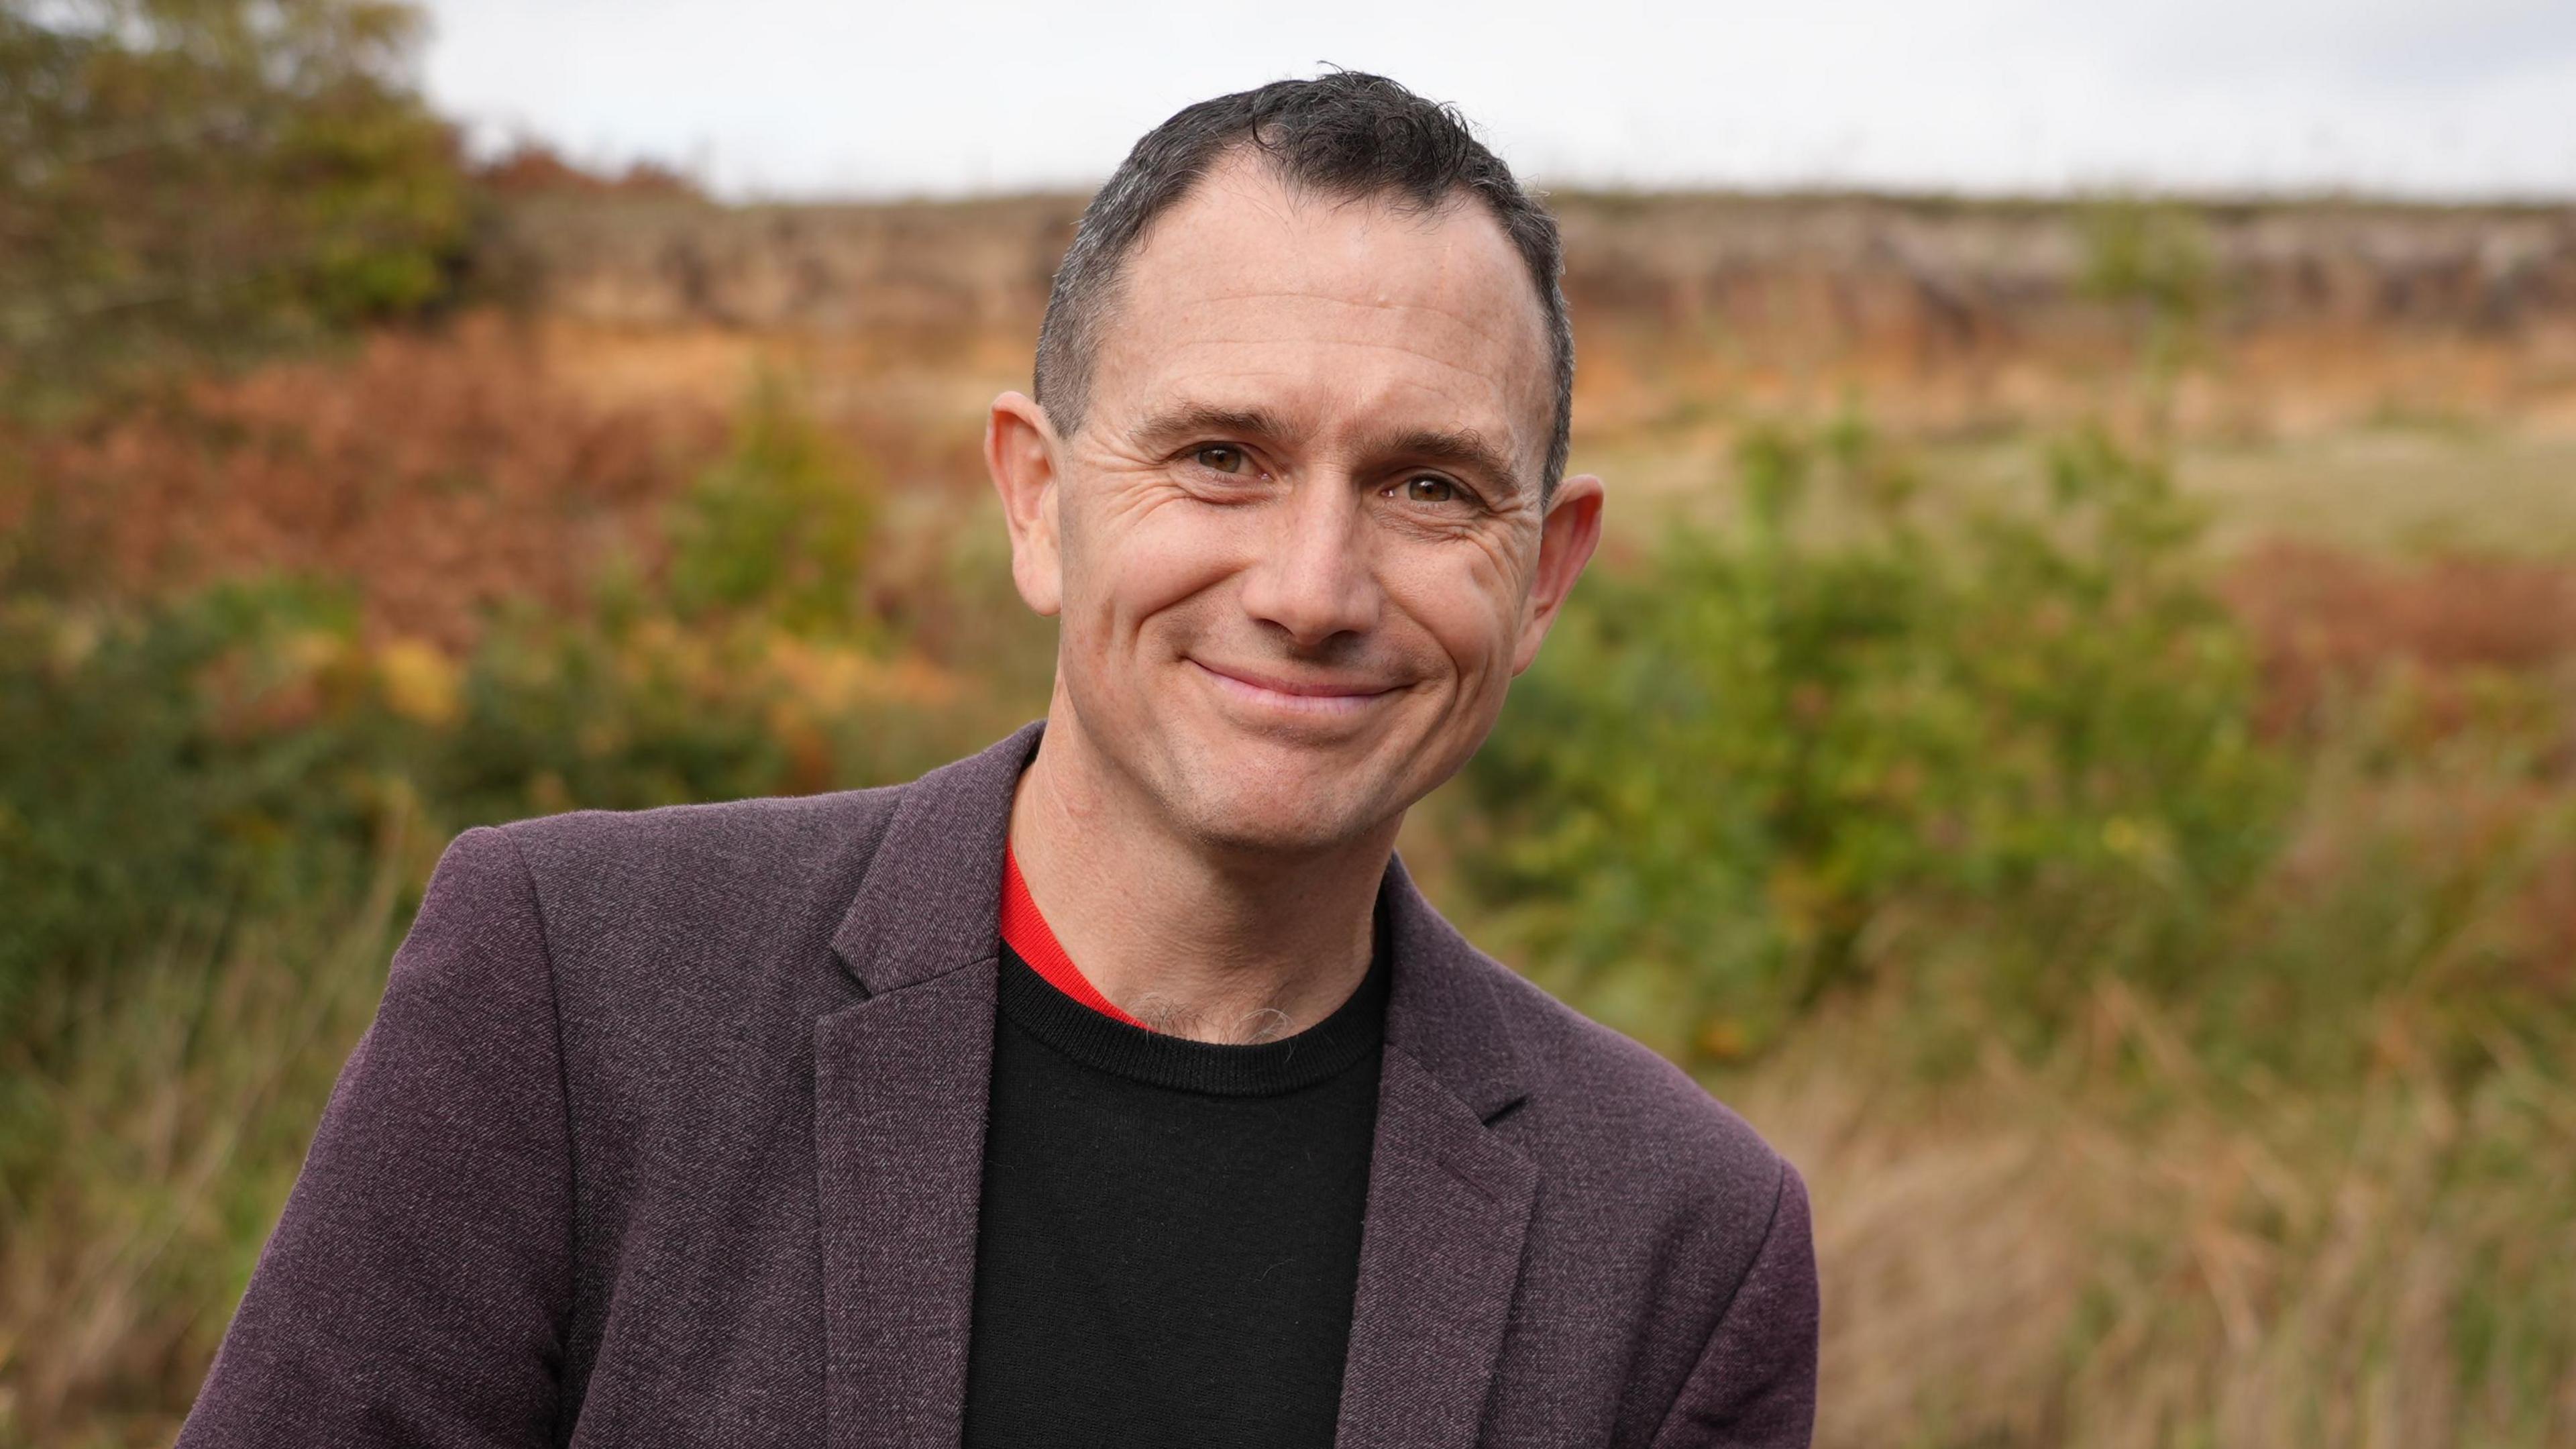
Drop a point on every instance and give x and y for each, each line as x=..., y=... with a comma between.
x=1230, y=807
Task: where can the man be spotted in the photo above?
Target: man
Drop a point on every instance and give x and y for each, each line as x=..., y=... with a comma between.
x=1113, y=1086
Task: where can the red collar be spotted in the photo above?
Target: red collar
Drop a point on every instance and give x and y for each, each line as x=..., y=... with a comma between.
x=1026, y=932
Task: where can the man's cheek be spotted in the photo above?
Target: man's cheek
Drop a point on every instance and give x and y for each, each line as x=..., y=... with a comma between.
x=1177, y=567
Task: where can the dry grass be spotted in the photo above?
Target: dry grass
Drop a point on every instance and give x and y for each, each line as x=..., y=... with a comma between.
x=2019, y=1259
x=132, y=1229
x=2331, y=624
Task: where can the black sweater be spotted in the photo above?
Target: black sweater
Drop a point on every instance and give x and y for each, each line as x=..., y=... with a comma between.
x=1170, y=1229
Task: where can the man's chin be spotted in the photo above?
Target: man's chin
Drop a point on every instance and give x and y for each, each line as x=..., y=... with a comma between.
x=1286, y=819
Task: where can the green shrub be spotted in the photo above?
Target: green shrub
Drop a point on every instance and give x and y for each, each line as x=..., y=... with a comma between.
x=555, y=716
x=169, y=772
x=780, y=527
x=1771, y=762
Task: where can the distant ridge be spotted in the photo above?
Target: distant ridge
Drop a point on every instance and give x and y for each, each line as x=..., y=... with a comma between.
x=1931, y=276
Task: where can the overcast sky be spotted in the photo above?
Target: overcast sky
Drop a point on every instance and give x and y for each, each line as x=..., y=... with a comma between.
x=830, y=98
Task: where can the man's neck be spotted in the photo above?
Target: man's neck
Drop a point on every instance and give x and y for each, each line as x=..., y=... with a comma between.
x=1208, y=942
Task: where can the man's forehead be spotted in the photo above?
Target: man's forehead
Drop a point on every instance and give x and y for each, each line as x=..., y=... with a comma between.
x=1245, y=229
x=1272, y=286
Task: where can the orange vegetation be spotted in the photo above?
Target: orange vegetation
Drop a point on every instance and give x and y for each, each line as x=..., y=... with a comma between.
x=440, y=474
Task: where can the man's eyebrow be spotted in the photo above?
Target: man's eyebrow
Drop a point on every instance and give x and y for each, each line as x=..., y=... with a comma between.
x=1464, y=449
x=1200, y=421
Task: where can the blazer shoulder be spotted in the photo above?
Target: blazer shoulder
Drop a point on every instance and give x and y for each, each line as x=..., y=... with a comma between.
x=761, y=837
x=737, y=868
x=1618, y=1107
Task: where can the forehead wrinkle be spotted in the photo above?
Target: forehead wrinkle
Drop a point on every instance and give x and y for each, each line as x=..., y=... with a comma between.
x=1186, y=344
x=1508, y=414
x=1187, y=418
x=1481, y=321
x=1267, y=338
x=1465, y=320
x=1457, y=258
x=1477, y=322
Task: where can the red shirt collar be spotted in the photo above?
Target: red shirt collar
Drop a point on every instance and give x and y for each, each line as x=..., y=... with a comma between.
x=1026, y=932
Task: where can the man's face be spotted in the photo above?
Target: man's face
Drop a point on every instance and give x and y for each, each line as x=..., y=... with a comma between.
x=1297, y=542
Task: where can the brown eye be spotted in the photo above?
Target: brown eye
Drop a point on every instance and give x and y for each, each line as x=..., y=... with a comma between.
x=1219, y=458
x=1428, y=489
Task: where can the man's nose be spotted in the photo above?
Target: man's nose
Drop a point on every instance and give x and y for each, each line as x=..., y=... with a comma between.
x=1315, y=577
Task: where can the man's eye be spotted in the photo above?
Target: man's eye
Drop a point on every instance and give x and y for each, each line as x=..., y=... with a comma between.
x=1219, y=458
x=1428, y=489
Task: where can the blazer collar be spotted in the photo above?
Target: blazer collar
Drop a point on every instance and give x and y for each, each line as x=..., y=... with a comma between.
x=1443, y=1009
x=931, y=900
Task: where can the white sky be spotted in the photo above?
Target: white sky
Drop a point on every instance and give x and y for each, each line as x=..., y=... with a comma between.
x=811, y=98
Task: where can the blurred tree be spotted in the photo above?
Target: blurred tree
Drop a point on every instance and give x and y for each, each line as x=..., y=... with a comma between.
x=212, y=175
x=2152, y=261
x=781, y=526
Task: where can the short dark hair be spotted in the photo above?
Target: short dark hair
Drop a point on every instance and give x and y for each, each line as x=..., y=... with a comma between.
x=1344, y=133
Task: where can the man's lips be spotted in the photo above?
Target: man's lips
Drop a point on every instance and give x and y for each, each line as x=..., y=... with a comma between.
x=1305, y=696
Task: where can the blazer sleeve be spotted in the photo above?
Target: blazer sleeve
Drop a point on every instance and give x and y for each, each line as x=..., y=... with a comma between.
x=416, y=1288
x=1755, y=1384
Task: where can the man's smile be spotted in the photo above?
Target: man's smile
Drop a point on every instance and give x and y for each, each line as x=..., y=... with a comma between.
x=1311, y=697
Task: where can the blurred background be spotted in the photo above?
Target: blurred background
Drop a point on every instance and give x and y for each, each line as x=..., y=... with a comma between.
x=2073, y=731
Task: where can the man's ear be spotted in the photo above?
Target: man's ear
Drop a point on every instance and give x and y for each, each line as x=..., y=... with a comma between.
x=1567, y=536
x=1020, y=451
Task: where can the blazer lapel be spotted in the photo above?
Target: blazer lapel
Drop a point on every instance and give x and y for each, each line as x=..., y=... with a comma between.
x=901, y=1082
x=899, y=1092
x=900, y=1086
x=1448, y=1202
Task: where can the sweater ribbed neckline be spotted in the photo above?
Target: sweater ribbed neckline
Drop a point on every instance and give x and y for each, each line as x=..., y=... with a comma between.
x=1354, y=1030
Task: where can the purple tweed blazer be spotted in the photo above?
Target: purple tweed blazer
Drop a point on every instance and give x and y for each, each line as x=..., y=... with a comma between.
x=670, y=1127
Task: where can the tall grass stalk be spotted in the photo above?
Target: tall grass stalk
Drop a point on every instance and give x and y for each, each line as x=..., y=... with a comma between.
x=143, y=1172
